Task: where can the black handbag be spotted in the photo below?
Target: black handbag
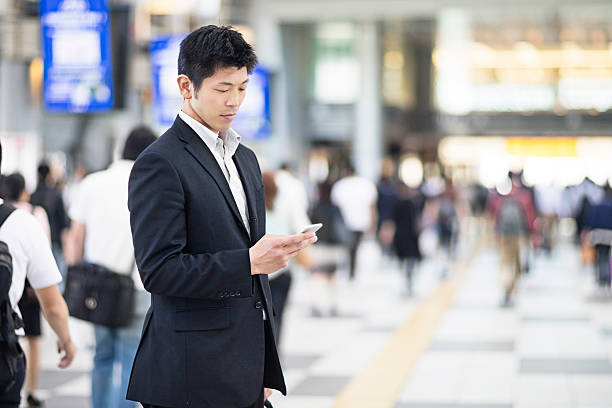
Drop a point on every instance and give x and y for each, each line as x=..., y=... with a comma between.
x=98, y=295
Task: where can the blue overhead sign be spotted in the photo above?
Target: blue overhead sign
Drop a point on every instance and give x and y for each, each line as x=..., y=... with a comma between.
x=167, y=99
x=76, y=47
x=253, y=119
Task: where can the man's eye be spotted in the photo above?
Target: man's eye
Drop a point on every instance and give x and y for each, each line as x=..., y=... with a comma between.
x=221, y=90
x=242, y=89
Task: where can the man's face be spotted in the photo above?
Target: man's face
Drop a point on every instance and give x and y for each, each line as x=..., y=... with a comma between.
x=217, y=101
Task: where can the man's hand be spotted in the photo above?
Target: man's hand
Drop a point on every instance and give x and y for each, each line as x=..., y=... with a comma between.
x=267, y=393
x=66, y=352
x=272, y=252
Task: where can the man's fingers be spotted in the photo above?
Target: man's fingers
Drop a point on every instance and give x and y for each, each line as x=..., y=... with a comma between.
x=297, y=238
x=301, y=245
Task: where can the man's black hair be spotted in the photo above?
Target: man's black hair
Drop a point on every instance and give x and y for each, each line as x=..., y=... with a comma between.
x=212, y=47
x=138, y=140
x=12, y=186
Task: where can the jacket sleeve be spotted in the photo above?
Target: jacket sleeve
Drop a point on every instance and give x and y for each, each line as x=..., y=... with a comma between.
x=157, y=217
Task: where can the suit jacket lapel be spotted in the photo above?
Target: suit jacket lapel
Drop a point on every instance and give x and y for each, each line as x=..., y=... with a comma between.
x=241, y=164
x=200, y=152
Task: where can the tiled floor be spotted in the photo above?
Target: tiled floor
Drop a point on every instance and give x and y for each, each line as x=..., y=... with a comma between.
x=550, y=350
x=553, y=349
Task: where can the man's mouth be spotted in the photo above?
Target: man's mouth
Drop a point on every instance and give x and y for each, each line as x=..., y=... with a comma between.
x=229, y=116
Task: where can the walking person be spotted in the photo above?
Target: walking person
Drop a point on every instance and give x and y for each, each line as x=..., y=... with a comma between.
x=197, y=212
x=282, y=217
x=13, y=190
x=328, y=254
x=100, y=234
x=31, y=258
x=598, y=233
x=406, y=237
x=50, y=198
x=513, y=215
x=388, y=197
x=356, y=197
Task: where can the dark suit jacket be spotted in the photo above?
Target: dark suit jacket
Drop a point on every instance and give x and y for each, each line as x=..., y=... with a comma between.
x=204, y=341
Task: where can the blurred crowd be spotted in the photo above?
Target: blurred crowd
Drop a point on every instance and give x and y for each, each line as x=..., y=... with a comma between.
x=86, y=218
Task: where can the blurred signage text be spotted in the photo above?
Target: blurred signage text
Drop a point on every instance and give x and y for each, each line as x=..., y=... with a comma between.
x=78, y=73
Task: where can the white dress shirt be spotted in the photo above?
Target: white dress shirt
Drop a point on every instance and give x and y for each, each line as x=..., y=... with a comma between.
x=223, y=146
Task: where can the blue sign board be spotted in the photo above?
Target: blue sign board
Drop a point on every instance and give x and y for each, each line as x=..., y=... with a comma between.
x=253, y=119
x=167, y=99
x=76, y=47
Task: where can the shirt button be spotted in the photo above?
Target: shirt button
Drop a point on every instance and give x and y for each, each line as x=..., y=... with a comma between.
x=258, y=305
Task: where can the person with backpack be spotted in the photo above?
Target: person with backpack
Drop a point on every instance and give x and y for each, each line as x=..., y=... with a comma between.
x=513, y=215
x=13, y=190
x=25, y=253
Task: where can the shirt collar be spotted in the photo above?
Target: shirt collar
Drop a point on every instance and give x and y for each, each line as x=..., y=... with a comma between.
x=230, y=138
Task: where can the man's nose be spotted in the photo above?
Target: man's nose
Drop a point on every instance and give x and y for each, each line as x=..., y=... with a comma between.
x=234, y=99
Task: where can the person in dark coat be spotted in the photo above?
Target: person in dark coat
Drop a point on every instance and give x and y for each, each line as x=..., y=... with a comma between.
x=406, y=237
x=329, y=253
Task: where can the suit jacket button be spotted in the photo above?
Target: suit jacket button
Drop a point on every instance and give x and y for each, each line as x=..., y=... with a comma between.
x=258, y=305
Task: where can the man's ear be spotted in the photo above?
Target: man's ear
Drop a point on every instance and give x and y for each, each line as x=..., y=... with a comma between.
x=185, y=86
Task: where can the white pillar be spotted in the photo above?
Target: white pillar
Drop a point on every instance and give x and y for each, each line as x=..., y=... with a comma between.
x=368, y=138
x=280, y=146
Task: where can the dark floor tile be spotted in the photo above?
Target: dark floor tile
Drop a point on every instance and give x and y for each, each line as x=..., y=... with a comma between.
x=67, y=402
x=554, y=319
x=448, y=405
x=443, y=345
x=378, y=329
x=298, y=361
x=320, y=386
x=559, y=366
x=53, y=379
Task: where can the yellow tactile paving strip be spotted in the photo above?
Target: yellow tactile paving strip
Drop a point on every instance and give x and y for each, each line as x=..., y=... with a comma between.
x=380, y=384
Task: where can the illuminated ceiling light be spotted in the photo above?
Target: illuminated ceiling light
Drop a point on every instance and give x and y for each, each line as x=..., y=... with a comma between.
x=394, y=60
x=206, y=8
x=163, y=7
x=482, y=53
x=411, y=171
x=336, y=31
x=527, y=53
x=504, y=187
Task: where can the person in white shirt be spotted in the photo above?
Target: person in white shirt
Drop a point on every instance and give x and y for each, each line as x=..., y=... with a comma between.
x=32, y=259
x=356, y=197
x=101, y=234
x=13, y=190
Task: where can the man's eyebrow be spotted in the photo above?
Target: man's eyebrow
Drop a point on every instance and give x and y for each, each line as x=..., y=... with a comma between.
x=231, y=84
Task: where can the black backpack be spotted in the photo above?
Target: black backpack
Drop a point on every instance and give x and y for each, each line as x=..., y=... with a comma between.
x=10, y=351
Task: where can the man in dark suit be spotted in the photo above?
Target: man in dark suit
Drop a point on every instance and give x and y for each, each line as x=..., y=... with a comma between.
x=198, y=224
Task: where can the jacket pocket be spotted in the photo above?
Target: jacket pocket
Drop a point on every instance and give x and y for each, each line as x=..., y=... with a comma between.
x=202, y=319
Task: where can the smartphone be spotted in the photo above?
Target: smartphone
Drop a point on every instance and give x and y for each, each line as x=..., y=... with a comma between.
x=312, y=228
